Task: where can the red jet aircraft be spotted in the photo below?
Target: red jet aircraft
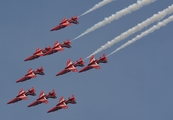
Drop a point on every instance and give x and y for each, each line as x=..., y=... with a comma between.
x=64, y=23
x=94, y=63
x=61, y=104
x=71, y=100
x=57, y=47
x=71, y=66
x=38, y=53
x=28, y=76
x=43, y=98
x=22, y=95
x=31, y=74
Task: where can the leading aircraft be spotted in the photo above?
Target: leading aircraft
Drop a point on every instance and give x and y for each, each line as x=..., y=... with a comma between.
x=94, y=63
x=38, y=53
x=43, y=98
x=61, y=104
x=22, y=95
x=71, y=66
x=66, y=22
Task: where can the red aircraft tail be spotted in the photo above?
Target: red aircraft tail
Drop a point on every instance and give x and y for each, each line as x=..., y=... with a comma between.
x=61, y=100
x=66, y=44
x=68, y=41
x=30, y=70
x=73, y=97
x=37, y=50
x=64, y=20
x=21, y=91
x=56, y=43
x=57, y=46
x=33, y=90
x=62, y=103
x=70, y=66
x=41, y=68
x=79, y=63
x=41, y=94
x=69, y=62
x=102, y=59
x=94, y=63
x=75, y=18
x=92, y=59
x=53, y=92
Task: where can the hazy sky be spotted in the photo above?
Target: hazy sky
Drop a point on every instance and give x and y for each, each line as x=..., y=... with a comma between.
x=135, y=84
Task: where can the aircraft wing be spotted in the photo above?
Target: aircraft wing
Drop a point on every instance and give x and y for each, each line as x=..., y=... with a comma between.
x=95, y=65
x=72, y=68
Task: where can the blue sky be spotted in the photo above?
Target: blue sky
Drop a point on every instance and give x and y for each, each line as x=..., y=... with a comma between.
x=135, y=84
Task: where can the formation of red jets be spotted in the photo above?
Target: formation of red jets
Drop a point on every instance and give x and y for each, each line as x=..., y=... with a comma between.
x=49, y=50
x=43, y=98
x=70, y=67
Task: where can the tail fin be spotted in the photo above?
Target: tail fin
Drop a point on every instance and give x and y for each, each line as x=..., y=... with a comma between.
x=21, y=91
x=80, y=59
x=56, y=43
x=30, y=70
x=92, y=59
x=53, y=91
x=69, y=62
x=33, y=89
x=73, y=96
x=68, y=41
x=61, y=99
x=41, y=94
x=38, y=49
x=41, y=68
x=64, y=20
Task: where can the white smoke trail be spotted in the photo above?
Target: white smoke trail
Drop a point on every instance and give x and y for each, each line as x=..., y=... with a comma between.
x=117, y=15
x=100, y=4
x=156, y=17
x=145, y=33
